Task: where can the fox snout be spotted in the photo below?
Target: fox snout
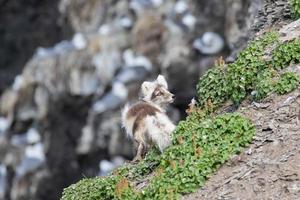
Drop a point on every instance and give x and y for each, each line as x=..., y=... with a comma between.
x=172, y=97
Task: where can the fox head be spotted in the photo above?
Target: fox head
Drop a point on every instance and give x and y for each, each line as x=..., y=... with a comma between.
x=157, y=91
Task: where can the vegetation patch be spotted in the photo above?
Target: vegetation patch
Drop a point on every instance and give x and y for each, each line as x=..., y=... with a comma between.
x=287, y=83
x=92, y=189
x=286, y=54
x=252, y=73
x=200, y=146
x=265, y=84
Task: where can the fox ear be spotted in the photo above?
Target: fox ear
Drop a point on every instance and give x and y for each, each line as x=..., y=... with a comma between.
x=162, y=81
x=146, y=87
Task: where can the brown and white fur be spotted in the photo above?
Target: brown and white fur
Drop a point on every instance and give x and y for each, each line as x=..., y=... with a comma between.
x=146, y=121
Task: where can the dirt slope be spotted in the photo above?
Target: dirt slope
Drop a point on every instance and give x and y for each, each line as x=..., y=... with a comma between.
x=270, y=167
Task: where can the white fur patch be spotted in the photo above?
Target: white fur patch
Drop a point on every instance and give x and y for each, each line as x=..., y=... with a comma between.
x=159, y=129
x=126, y=123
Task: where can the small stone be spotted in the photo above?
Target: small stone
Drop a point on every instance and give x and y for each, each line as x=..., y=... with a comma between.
x=209, y=43
x=254, y=93
x=180, y=7
x=288, y=101
x=190, y=21
x=79, y=41
x=105, y=29
x=261, y=105
x=33, y=136
x=35, y=151
x=126, y=22
x=106, y=167
x=249, y=151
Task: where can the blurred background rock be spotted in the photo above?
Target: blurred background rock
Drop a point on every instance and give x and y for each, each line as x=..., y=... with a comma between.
x=67, y=68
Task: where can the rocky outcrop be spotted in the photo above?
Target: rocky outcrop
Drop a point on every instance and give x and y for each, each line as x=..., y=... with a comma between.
x=60, y=119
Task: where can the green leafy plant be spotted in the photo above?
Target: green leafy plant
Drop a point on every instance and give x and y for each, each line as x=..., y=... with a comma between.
x=92, y=189
x=295, y=8
x=143, y=168
x=286, y=54
x=273, y=82
x=265, y=82
x=251, y=72
x=212, y=86
x=287, y=83
x=243, y=73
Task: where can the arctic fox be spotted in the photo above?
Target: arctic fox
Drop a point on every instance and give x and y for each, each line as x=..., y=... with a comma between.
x=146, y=121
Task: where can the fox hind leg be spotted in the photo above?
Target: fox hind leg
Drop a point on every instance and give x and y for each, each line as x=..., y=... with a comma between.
x=140, y=151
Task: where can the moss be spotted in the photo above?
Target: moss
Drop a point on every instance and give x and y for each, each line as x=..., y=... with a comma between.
x=295, y=7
